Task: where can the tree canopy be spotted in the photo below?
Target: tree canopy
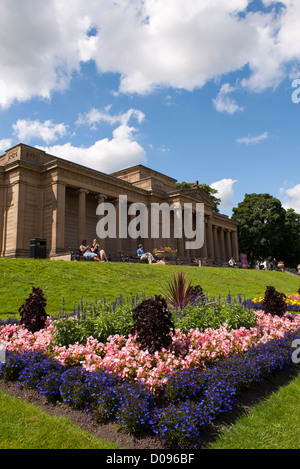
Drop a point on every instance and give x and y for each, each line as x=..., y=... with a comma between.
x=266, y=229
x=205, y=188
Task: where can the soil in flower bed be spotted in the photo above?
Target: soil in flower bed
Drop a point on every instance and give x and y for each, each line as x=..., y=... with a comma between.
x=109, y=432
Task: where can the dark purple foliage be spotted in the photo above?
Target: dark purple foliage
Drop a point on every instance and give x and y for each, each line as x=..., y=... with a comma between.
x=274, y=302
x=153, y=324
x=33, y=314
x=197, y=292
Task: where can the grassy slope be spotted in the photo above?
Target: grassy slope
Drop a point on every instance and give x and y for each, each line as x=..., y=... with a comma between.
x=271, y=424
x=75, y=280
x=28, y=427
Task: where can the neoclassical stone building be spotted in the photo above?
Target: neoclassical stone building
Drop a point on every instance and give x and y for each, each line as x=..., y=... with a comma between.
x=43, y=196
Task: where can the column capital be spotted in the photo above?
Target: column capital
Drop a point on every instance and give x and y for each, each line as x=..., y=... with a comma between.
x=81, y=190
x=101, y=196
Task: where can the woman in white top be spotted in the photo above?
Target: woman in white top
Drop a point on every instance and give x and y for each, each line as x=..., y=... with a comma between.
x=87, y=253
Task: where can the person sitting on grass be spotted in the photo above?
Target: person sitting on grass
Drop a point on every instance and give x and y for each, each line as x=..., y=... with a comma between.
x=87, y=253
x=232, y=262
x=144, y=255
x=100, y=252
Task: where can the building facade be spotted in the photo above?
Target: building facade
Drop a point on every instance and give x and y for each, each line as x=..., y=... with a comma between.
x=43, y=196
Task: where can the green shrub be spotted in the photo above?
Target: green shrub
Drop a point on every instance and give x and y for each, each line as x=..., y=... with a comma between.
x=68, y=331
x=110, y=319
x=100, y=322
x=205, y=316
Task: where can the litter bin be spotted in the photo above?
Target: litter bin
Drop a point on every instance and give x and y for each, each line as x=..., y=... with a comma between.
x=38, y=248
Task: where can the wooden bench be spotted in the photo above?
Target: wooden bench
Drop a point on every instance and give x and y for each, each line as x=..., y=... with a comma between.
x=76, y=255
x=127, y=256
x=195, y=261
x=183, y=260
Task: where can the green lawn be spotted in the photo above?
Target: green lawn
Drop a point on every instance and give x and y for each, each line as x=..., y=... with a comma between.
x=273, y=423
x=24, y=426
x=72, y=281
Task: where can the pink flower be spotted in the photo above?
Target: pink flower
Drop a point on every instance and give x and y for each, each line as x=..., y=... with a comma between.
x=123, y=356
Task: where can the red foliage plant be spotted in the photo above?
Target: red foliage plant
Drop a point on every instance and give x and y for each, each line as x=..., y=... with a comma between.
x=179, y=292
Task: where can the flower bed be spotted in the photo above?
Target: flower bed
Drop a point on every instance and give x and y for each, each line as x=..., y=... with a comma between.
x=170, y=393
x=121, y=355
x=292, y=302
x=187, y=402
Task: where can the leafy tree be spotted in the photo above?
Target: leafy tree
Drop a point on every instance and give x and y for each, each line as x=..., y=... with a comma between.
x=205, y=188
x=292, y=237
x=261, y=229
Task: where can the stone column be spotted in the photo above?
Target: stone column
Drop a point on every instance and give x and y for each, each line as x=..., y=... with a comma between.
x=216, y=243
x=210, y=241
x=133, y=241
x=40, y=214
x=58, y=218
x=3, y=211
x=235, y=245
x=223, y=250
x=101, y=200
x=118, y=243
x=228, y=244
x=194, y=252
x=20, y=218
x=181, y=246
x=82, y=193
x=149, y=242
x=203, y=250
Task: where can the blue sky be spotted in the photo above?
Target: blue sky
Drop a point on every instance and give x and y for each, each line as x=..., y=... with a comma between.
x=197, y=89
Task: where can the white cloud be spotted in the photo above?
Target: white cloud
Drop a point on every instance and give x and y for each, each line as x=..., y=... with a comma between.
x=26, y=130
x=5, y=144
x=164, y=148
x=178, y=43
x=224, y=103
x=225, y=192
x=95, y=116
x=291, y=198
x=104, y=155
x=255, y=139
